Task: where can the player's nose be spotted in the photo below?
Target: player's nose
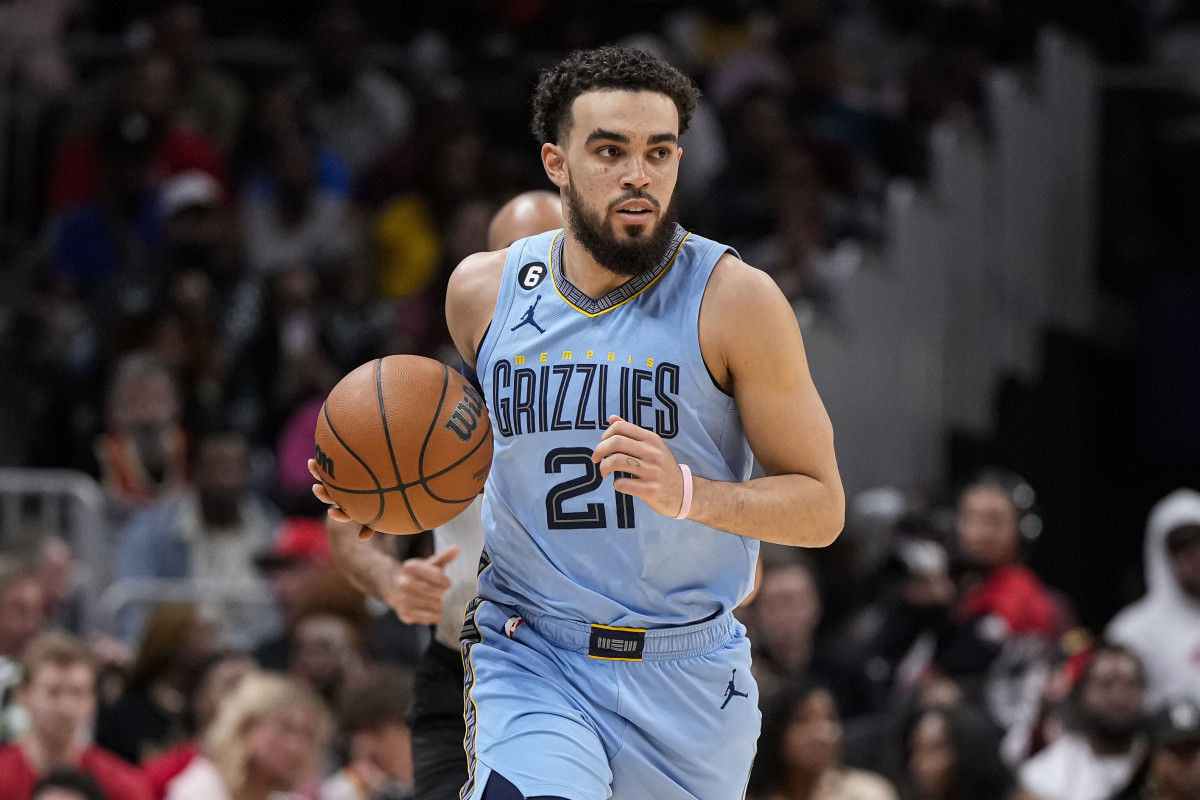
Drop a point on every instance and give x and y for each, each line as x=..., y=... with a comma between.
x=636, y=175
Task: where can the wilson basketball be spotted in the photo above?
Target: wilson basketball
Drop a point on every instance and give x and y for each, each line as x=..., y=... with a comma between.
x=403, y=444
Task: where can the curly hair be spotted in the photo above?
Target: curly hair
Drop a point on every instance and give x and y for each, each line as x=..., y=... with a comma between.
x=608, y=67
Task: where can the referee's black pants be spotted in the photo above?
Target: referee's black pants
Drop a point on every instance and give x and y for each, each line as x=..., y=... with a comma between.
x=436, y=719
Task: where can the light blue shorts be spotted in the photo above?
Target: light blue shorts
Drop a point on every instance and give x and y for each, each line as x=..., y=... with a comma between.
x=681, y=723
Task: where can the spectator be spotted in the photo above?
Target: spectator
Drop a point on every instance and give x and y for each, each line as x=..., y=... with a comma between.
x=113, y=228
x=58, y=692
x=1102, y=752
x=1163, y=628
x=373, y=718
x=208, y=686
x=143, y=450
x=67, y=784
x=22, y=609
x=147, y=91
x=209, y=531
x=293, y=565
x=268, y=737
x=1006, y=618
x=784, y=618
x=54, y=565
x=285, y=362
x=301, y=224
x=800, y=752
x=150, y=715
x=357, y=109
x=912, y=618
x=953, y=753
x=327, y=637
x=208, y=100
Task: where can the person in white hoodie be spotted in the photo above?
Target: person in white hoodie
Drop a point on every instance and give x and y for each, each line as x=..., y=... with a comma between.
x=1164, y=626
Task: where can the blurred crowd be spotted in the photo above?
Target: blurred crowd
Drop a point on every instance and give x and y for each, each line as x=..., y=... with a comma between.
x=219, y=240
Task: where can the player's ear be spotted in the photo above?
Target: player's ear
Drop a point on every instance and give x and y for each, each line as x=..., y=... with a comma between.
x=553, y=159
x=678, y=153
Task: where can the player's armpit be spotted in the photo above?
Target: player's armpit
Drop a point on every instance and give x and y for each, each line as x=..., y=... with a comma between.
x=471, y=300
x=749, y=333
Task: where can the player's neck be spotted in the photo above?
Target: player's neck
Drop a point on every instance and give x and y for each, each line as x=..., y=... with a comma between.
x=585, y=273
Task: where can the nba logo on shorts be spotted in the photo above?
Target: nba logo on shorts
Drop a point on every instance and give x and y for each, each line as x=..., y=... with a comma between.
x=510, y=627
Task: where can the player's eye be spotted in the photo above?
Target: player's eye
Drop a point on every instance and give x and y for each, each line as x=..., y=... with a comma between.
x=661, y=153
x=608, y=151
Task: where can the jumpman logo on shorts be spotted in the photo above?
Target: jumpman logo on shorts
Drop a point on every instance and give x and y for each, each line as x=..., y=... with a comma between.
x=527, y=318
x=731, y=692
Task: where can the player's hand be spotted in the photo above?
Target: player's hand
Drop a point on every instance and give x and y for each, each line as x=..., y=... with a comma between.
x=416, y=587
x=630, y=448
x=335, y=513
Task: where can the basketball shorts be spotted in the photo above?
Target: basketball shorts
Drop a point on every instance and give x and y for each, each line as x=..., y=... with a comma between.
x=587, y=712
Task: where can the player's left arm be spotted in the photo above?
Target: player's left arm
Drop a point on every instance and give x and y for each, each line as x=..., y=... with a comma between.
x=753, y=348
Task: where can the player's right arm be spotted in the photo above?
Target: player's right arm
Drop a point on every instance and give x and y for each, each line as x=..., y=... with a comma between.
x=471, y=300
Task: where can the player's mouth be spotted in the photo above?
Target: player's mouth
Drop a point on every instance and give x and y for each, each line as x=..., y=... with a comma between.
x=635, y=212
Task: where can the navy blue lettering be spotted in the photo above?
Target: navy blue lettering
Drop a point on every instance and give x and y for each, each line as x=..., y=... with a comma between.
x=582, y=423
x=602, y=396
x=543, y=381
x=557, y=423
x=502, y=378
x=641, y=400
x=666, y=383
x=523, y=384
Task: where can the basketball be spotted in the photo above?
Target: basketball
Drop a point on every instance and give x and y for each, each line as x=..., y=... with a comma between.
x=403, y=444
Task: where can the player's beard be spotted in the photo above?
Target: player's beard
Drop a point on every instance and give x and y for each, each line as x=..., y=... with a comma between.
x=630, y=255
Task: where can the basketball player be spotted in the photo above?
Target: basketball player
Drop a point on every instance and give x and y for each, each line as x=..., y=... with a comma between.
x=435, y=590
x=621, y=523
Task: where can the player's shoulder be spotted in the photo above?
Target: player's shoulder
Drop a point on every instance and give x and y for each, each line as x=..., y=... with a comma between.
x=479, y=268
x=736, y=286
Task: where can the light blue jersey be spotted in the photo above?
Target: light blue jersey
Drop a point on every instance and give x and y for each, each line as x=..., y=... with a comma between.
x=554, y=365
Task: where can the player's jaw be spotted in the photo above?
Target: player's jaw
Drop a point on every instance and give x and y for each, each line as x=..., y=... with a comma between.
x=628, y=236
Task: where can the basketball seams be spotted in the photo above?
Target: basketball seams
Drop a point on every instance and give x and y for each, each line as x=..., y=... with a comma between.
x=437, y=414
x=391, y=453
x=342, y=442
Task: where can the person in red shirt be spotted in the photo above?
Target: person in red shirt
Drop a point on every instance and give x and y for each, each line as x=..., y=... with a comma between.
x=997, y=591
x=58, y=691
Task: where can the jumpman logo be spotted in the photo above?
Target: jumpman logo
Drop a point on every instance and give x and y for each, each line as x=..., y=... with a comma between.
x=731, y=692
x=527, y=318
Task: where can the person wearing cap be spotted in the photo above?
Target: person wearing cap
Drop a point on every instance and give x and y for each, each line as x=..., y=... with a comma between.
x=292, y=565
x=1164, y=626
x=1172, y=769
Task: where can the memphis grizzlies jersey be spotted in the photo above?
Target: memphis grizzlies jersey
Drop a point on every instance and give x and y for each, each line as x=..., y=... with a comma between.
x=554, y=365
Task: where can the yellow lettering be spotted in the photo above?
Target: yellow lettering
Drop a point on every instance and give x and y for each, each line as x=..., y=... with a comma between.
x=590, y=354
x=631, y=359
x=649, y=363
x=544, y=357
x=612, y=356
x=519, y=360
x=567, y=355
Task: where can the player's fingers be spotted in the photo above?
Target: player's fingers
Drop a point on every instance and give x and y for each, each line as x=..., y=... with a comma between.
x=323, y=494
x=622, y=444
x=445, y=557
x=621, y=462
x=364, y=533
x=418, y=613
x=312, y=469
x=620, y=427
x=632, y=486
x=419, y=569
